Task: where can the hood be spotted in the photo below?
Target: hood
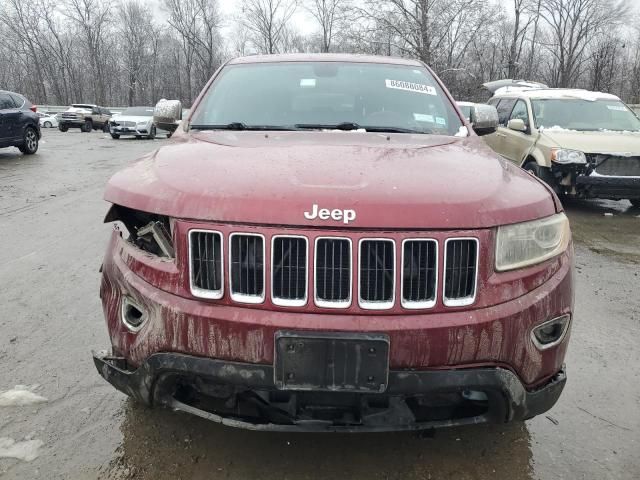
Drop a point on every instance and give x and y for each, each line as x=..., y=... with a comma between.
x=595, y=142
x=391, y=181
x=77, y=110
x=131, y=118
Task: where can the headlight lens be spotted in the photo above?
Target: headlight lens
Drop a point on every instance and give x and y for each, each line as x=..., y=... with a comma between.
x=528, y=243
x=564, y=156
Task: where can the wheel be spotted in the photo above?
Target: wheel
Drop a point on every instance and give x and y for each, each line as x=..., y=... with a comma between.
x=47, y=124
x=152, y=133
x=63, y=128
x=30, y=142
x=115, y=136
x=543, y=173
x=169, y=134
x=87, y=126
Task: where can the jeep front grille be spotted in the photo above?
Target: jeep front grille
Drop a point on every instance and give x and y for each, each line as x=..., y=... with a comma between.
x=333, y=272
x=206, y=274
x=419, y=273
x=289, y=271
x=329, y=275
x=246, y=267
x=377, y=274
x=461, y=264
x=618, y=166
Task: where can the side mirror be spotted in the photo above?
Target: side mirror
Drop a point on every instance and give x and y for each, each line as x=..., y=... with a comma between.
x=167, y=115
x=484, y=119
x=517, y=124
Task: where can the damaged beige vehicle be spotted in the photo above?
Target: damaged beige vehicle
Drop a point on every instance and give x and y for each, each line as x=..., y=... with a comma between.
x=583, y=144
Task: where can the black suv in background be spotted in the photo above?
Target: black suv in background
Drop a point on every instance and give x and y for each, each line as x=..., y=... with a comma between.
x=19, y=126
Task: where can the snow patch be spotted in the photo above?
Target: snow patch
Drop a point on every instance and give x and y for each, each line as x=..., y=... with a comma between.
x=20, y=396
x=462, y=132
x=26, y=451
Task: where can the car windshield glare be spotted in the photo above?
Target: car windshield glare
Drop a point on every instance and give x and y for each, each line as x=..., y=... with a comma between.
x=584, y=115
x=138, y=112
x=327, y=95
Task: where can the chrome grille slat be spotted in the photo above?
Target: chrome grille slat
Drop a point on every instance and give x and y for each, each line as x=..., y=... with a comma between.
x=206, y=269
x=460, y=275
x=246, y=267
x=289, y=270
x=419, y=273
x=377, y=273
x=333, y=272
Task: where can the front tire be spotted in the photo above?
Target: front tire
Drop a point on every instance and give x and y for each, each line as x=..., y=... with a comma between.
x=30, y=142
x=87, y=126
x=47, y=125
x=63, y=128
x=115, y=136
x=543, y=173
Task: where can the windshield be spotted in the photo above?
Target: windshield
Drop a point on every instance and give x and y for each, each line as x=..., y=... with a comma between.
x=584, y=115
x=320, y=95
x=79, y=105
x=138, y=112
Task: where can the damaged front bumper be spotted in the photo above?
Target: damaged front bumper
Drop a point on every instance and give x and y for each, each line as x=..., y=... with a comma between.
x=245, y=395
x=605, y=186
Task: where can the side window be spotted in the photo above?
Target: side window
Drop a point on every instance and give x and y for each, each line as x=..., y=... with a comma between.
x=6, y=102
x=18, y=100
x=493, y=102
x=504, y=110
x=520, y=112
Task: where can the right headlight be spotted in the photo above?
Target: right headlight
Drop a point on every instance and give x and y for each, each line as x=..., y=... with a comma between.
x=565, y=156
x=528, y=243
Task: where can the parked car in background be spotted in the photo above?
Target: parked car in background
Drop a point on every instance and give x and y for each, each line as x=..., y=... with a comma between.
x=135, y=121
x=19, y=126
x=47, y=120
x=331, y=248
x=583, y=144
x=87, y=117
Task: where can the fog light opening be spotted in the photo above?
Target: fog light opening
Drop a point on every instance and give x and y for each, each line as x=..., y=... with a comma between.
x=550, y=333
x=133, y=315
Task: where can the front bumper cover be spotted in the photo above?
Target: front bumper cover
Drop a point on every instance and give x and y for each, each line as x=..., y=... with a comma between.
x=608, y=186
x=154, y=383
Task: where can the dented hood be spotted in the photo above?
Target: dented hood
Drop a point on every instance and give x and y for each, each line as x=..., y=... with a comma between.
x=394, y=181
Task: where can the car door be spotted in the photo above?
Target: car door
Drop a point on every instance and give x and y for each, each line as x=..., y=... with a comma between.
x=516, y=143
x=8, y=118
x=496, y=140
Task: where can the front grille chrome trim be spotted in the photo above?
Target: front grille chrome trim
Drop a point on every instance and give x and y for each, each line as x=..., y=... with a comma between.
x=417, y=305
x=464, y=301
x=382, y=305
x=201, y=292
x=326, y=303
x=285, y=302
x=239, y=297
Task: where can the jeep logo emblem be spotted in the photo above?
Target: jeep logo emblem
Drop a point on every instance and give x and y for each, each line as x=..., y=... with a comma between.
x=325, y=214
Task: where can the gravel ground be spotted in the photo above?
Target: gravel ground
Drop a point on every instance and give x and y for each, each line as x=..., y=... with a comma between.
x=51, y=244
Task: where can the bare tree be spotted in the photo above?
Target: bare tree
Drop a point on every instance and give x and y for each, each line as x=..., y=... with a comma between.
x=574, y=25
x=93, y=18
x=267, y=20
x=328, y=14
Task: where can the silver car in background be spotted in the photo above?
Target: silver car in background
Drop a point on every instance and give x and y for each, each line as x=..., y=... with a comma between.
x=135, y=121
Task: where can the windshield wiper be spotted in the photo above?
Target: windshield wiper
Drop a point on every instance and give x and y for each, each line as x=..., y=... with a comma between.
x=240, y=126
x=348, y=126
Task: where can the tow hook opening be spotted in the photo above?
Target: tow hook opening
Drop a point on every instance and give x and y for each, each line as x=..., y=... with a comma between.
x=550, y=333
x=133, y=315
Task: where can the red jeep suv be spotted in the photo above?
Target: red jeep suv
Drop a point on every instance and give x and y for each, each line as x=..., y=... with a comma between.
x=328, y=245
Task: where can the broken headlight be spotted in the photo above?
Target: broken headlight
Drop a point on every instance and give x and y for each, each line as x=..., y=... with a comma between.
x=528, y=243
x=148, y=231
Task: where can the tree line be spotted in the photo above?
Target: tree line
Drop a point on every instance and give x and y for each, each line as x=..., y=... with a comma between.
x=125, y=53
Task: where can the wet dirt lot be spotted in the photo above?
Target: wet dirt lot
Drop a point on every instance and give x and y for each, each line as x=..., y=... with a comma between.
x=51, y=244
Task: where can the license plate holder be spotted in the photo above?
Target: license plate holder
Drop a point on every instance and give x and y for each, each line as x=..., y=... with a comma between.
x=342, y=362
